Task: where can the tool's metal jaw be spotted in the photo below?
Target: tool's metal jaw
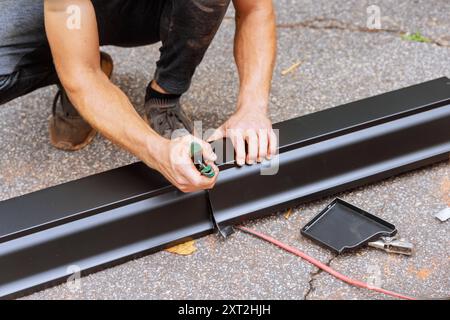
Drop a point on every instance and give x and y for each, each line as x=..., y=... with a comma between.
x=393, y=245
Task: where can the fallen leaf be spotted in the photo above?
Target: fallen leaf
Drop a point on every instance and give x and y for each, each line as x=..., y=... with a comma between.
x=291, y=68
x=288, y=214
x=183, y=249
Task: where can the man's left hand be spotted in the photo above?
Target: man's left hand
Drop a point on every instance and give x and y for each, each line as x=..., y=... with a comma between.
x=249, y=125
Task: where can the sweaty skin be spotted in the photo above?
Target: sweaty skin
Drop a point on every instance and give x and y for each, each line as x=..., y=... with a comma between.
x=77, y=60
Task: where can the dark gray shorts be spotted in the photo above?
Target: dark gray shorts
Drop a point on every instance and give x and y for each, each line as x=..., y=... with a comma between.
x=184, y=27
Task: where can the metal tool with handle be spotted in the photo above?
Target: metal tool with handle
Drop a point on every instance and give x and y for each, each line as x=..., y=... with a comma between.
x=197, y=157
x=393, y=245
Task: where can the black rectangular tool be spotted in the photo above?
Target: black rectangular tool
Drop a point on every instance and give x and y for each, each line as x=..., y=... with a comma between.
x=342, y=226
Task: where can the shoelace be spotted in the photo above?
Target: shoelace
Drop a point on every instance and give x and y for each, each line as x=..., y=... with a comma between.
x=55, y=101
x=169, y=116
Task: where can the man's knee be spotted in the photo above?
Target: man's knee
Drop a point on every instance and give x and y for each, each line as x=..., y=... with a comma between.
x=196, y=21
x=187, y=30
x=21, y=82
x=7, y=83
x=212, y=10
x=218, y=6
x=201, y=14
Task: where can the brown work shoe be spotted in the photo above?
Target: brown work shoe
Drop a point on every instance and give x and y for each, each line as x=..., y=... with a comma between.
x=68, y=130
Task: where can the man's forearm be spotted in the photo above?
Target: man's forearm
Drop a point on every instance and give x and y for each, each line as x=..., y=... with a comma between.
x=250, y=128
x=109, y=110
x=99, y=101
x=254, y=51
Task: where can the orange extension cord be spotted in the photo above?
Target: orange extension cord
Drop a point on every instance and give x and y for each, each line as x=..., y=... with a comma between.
x=323, y=266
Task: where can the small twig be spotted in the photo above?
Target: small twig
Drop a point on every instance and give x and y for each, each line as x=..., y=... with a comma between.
x=291, y=68
x=288, y=213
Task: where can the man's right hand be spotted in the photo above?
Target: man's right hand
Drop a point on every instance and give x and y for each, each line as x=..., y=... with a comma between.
x=175, y=163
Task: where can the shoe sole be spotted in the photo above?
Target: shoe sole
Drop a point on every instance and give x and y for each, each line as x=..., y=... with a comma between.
x=67, y=146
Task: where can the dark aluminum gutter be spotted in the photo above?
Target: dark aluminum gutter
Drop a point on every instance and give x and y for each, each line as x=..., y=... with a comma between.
x=120, y=214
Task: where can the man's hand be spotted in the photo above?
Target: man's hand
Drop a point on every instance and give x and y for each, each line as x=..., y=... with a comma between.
x=254, y=52
x=176, y=165
x=251, y=126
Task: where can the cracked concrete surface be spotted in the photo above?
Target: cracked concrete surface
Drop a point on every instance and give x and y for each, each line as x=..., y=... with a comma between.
x=313, y=275
x=339, y=64
x=321, y=23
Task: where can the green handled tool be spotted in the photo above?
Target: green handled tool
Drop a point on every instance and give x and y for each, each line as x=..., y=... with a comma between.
x=196, y=155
